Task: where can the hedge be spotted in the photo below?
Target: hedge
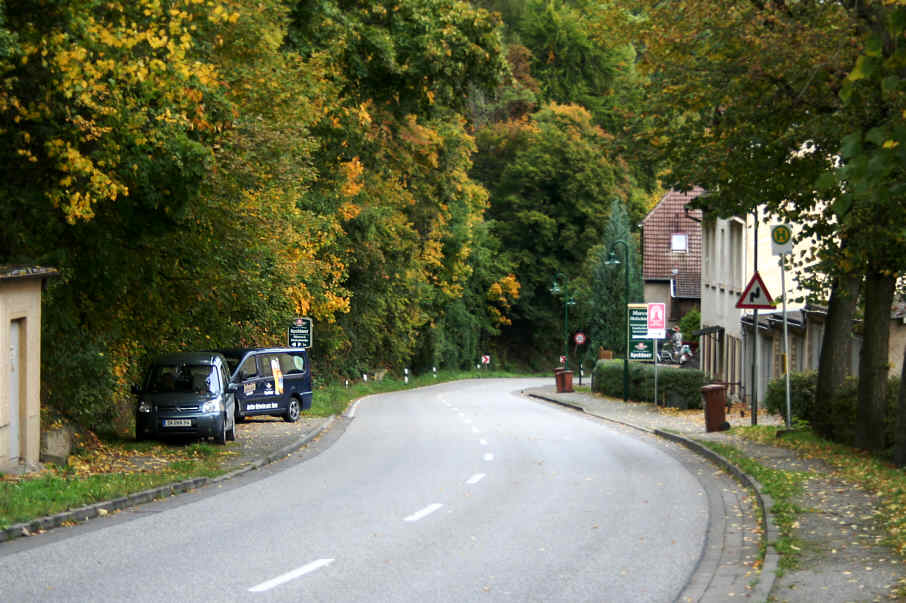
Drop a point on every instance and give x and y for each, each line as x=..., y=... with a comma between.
x=677, y=387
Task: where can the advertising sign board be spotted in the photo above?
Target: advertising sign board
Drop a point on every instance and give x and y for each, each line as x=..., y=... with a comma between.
x=300, y=333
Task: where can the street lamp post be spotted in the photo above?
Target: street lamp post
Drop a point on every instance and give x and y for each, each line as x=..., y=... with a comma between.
x=555, y=289
x=613, y=260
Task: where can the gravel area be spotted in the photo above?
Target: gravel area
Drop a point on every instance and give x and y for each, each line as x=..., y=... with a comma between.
x=262, y=435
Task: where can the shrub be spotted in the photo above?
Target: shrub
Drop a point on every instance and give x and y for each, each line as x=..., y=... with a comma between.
x=802, y=395
x=836, y=418
x=679, y=387
x=690, y=323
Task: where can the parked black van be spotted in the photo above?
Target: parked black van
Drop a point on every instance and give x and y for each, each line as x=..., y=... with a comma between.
x=270, y=381
x=187, y=394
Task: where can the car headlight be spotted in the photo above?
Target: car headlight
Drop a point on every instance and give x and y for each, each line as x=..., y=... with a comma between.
x=144, y=406
x=212, y=405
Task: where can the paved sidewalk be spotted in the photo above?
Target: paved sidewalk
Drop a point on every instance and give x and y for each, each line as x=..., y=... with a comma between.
x=842, y=557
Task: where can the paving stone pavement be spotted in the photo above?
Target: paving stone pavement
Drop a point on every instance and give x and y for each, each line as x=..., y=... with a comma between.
x=843, y=558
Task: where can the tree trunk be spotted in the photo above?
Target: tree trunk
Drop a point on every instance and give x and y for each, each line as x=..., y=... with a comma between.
x=899, y=453
x=873, y=361
x=833, y=364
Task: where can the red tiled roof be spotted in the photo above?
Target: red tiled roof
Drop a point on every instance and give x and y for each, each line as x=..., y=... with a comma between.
x=658, y=259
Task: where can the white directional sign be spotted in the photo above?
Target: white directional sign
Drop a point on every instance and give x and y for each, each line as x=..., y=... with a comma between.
x=755, y=296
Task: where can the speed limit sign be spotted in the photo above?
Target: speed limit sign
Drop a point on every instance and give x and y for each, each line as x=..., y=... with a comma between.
x=580, y=338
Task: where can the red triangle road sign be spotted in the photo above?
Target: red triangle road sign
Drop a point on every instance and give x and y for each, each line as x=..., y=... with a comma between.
x=755, y=296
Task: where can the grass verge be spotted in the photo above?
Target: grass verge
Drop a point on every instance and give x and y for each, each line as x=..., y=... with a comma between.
x=880, y=477
x=95, y=475
x=783, y=487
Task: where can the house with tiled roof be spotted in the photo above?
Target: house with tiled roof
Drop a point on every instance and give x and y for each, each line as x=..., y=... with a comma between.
x=672, y=254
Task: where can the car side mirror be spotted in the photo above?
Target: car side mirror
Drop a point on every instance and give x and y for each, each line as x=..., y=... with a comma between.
x=232, y=388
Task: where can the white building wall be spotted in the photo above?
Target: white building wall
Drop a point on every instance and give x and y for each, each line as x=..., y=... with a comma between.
x=728, y=264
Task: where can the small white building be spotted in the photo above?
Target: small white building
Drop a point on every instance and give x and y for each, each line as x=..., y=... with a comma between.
x=20, y=367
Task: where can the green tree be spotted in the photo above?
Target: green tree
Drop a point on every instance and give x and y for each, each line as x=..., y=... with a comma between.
x=551, y=179
x=760, y=107
x=607, y=283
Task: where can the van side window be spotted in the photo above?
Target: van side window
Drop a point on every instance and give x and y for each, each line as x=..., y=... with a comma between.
x=265, y=364
x=298, y=363
x=248, y=367
x=287, y=365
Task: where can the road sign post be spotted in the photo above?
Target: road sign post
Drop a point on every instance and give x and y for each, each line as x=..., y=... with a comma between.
x=300, y=333
x=782, y=244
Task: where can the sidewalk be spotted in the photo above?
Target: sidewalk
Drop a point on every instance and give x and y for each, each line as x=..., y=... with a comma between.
x=842, y=558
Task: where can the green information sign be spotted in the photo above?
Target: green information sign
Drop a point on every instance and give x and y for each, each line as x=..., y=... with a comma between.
x=638, y=321
x=640, y=347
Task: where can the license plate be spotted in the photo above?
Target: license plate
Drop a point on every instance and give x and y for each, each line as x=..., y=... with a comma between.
x=177, y=422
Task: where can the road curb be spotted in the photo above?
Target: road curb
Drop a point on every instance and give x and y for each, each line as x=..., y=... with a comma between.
x=102, y=508
x=768, y=572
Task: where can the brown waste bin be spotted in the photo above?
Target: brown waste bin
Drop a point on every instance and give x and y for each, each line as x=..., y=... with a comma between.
x=558, y=377
x=567, y=378
x=715, y=396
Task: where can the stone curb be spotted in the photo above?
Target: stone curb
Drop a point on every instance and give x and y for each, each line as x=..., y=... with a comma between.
x=768, y=572
x=91, y=511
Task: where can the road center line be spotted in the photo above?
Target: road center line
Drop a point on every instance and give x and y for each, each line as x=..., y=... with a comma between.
x=305, y=569
x=475, y=430
x=475, y=478
x=488, y=456
x=483, y=442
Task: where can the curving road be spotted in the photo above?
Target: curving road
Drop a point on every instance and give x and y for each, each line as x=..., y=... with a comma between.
x=464, y=491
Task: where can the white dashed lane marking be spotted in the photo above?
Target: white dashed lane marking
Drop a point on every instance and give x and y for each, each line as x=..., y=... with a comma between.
x=475, y=478
x=296, y=573
x=424, y=512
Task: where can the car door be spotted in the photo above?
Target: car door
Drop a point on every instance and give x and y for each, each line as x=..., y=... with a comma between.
x=256, y=394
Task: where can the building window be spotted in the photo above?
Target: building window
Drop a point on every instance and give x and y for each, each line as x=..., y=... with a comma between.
x=679, y=242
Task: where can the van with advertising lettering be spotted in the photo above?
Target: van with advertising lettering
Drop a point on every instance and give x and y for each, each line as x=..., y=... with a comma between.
x=270, y=381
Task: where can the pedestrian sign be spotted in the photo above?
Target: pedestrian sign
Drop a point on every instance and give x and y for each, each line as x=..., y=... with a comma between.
x=657, y=320
x=755, y=296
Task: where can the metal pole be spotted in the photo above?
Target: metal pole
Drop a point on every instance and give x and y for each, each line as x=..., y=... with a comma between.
x=626, y=356
x=755, y=340
x=654, y=344
x=566, y=324
x=613, y=260
x=786, y=341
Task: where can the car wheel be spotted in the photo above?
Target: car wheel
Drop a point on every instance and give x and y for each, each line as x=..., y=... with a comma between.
x=220, y=436
x=292, y=411
x=231, y=432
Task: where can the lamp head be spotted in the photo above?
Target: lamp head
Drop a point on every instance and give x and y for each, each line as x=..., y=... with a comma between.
x=612, y=259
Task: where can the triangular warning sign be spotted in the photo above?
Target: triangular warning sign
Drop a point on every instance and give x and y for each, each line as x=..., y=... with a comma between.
x=755, y=296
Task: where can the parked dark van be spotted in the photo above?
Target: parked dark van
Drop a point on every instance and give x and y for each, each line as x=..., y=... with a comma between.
x=187, y=394
x=270, y=381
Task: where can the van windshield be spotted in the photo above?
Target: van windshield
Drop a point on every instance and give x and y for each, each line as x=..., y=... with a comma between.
x=183, y=379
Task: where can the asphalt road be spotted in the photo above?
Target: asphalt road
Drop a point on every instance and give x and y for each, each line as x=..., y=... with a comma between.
x=459, y=492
